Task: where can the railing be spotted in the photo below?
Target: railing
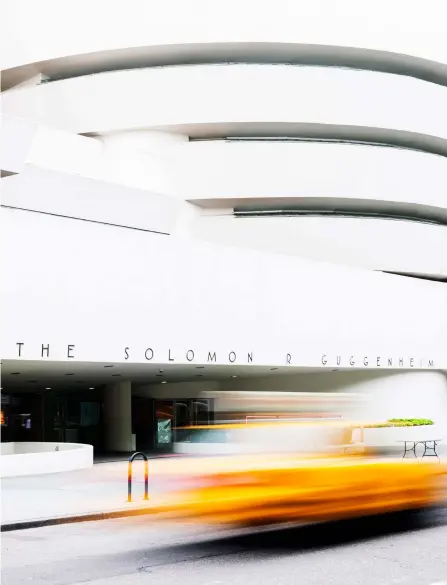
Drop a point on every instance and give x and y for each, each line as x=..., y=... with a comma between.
x=146, y=476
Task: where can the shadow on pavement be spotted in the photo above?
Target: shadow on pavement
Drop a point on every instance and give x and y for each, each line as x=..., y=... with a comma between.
x=309, y=537
x=212, y=545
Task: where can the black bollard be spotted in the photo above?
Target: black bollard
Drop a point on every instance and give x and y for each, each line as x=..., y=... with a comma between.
x=129, y=476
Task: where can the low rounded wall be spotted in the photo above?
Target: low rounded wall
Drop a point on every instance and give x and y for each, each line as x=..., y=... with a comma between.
x=37, y=458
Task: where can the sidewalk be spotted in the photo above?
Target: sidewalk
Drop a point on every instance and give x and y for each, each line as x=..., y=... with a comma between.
x=91, y=494
x=100, y=490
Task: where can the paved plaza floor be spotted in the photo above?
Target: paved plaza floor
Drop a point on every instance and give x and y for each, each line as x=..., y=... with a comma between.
x=102, y=488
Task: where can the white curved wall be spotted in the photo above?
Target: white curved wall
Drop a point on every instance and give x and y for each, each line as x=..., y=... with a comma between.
x=80, y=25
x=395, y=246
x=220, y=170
x=222, y=94
x=173, y=293
x=103, y=290
x=213, y=170
x=36, y=458
x=218, y=174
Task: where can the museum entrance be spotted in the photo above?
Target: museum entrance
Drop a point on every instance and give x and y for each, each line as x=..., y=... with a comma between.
x=172, y=416
x=21, y=417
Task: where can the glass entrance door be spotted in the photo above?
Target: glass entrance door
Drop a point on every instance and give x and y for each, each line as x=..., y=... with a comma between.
x=164, y=424
x=200, y=412
x=182, y=418
x=172, y=416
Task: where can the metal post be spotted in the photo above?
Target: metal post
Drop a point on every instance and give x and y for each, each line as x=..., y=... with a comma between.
x=129, y=481
x=146, y=476
x=146, y=479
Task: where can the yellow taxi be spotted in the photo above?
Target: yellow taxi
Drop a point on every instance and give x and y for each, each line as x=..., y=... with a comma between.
x=282, y=472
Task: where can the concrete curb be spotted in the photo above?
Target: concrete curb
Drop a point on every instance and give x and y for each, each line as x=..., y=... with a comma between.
x=90, y=517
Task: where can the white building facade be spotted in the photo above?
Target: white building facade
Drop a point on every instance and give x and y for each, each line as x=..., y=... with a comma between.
x=223, y=196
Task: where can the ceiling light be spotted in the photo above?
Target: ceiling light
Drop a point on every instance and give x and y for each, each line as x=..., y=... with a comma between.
x=164, y=382
x=92, y=388
x=47, y=388
x=234, y=376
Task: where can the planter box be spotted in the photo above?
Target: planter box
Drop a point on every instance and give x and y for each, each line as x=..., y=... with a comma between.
x=389, y=436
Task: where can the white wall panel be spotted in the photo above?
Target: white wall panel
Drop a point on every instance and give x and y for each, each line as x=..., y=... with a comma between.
x=377, y=244
x=136, y=161
x=233, y=93
x=25, y=142
x=16, y=138
x=65, y=152
x=103, y=289
x=50, y=29
x=79, y=197
x=139, y=159
x=219, y=169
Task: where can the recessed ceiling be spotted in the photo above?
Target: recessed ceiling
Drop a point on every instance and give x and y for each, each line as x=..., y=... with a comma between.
x=35, y=375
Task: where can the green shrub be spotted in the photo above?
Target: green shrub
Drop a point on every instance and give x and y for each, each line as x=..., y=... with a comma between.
x=411, y=422
x=401, y=422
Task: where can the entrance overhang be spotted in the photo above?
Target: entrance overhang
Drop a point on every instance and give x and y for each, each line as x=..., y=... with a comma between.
x=39, y=375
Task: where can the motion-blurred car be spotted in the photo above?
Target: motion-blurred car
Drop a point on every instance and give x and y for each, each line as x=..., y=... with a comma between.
x=273, y=473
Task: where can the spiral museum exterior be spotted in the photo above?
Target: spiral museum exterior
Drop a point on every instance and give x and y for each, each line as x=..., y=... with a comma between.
x=201, y=195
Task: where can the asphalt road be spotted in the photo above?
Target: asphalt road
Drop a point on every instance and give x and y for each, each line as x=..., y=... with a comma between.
x=136, y=551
